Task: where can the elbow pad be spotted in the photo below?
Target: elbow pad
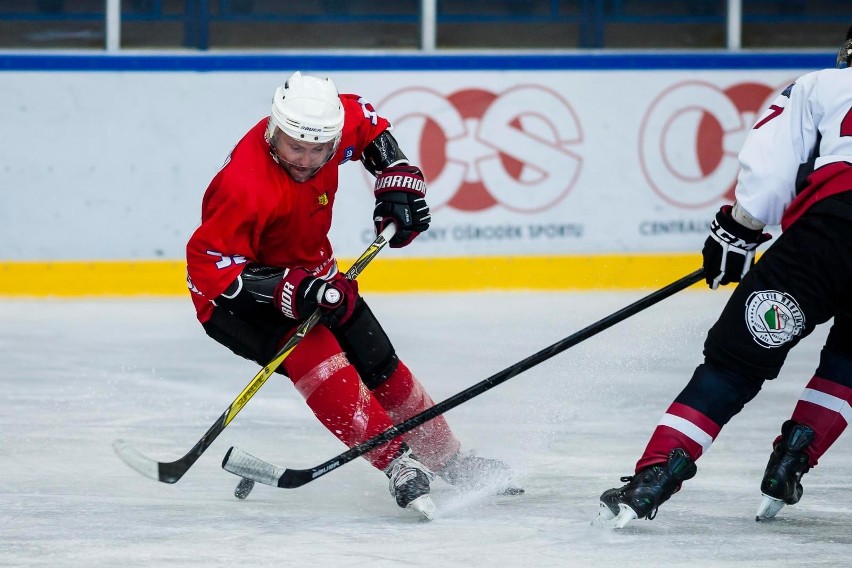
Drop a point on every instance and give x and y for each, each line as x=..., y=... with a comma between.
x=383, y=152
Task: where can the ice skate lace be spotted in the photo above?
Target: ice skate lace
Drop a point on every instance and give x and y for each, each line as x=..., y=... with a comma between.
x=652, y=514
x=404, y=469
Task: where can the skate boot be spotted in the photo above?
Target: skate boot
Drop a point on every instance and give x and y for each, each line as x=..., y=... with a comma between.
x=409, y=483
x=645, y=491
x=788, y=462
x=470, y=473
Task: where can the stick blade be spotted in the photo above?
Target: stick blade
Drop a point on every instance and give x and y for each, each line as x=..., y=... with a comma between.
x=143, y=464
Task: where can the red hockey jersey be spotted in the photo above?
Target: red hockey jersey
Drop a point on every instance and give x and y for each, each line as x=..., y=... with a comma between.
x=253, y=211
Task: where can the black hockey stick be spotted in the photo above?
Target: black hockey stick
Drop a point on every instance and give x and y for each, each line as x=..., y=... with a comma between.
x=247, y=466
x=170, y=472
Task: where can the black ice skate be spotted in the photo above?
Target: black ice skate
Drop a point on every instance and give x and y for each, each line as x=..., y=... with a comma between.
x=409, y=483
x=645, y=491
x=470, y=473
x=788, y=462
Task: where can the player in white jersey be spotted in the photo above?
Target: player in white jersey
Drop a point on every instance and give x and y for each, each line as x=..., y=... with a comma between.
x=796, y=171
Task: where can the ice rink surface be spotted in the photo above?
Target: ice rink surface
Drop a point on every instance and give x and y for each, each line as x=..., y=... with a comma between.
x=78, y=374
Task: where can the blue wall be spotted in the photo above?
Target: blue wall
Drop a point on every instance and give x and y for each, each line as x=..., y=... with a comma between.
x=413, y=62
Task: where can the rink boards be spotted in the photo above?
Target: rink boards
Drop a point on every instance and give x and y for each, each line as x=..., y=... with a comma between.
x=546, y=171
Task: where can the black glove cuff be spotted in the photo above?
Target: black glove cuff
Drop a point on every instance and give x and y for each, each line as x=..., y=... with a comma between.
x=725, y=220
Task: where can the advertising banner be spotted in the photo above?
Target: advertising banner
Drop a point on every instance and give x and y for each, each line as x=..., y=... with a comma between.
x=113, y=165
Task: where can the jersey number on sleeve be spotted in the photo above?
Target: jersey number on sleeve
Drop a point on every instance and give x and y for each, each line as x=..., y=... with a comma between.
x=846, y=124
x=226, y=261
x=774, y=110
x=369, y=113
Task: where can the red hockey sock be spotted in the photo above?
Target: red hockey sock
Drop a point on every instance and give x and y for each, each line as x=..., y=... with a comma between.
x=680, y=427
x=333, y=390
x=402, y=396
x=824, y=406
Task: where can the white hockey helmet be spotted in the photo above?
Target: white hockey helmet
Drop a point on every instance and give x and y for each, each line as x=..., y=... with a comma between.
x=308, y=109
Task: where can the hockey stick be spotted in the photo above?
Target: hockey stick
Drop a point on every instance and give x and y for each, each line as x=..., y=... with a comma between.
x=247, y=466
x=171, y=472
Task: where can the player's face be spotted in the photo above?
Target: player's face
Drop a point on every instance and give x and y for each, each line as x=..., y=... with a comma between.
x=301, y=159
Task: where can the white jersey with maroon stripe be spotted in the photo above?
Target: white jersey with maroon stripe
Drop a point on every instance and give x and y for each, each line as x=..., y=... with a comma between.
x=807, y=126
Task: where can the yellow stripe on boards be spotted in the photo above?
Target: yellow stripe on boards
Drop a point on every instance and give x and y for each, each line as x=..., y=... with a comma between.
x=530, y=273
x=168, y=277
x=92, y=278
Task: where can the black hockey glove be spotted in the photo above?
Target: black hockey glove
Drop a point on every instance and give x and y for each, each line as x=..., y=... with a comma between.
x=401, y=199
x=299, y=294
x=729, y=250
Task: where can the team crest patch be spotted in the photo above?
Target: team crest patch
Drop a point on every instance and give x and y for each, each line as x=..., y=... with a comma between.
x=347, y=154
x=322, y=199
x=773, y=317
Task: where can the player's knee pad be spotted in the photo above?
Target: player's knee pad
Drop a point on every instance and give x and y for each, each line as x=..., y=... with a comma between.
x=719, y=392
x=318, y=354
x=367, y=346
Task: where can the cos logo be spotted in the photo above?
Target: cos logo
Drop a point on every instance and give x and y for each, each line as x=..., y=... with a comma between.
x=479, y=149
x=690, y=138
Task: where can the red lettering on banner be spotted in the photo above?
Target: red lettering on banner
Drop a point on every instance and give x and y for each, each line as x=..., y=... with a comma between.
x=480, y=149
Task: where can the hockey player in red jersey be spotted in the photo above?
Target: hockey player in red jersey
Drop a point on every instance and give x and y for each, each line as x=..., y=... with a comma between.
x=261, y=261
x=796, y=171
